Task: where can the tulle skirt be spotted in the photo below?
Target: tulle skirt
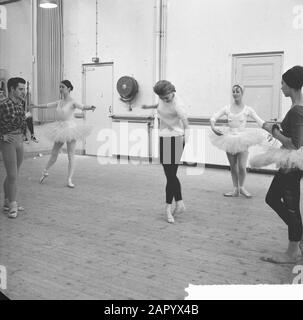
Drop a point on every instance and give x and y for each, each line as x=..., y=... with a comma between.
x=281, y=157
x=66, y=131
x=237, y=141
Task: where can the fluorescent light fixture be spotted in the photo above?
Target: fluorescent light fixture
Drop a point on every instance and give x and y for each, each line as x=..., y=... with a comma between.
x=48, y=4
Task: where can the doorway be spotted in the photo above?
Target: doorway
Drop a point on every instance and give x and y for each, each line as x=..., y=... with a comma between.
x=260, y=74
x=98, y=91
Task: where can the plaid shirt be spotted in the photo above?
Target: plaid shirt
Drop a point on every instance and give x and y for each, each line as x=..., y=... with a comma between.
x=12, y=116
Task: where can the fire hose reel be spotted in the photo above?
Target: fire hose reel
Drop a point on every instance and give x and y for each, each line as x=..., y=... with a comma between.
x=127, y=88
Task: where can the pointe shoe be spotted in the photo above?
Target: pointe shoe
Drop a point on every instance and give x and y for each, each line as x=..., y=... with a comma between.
x=13, y=213
x=245, y=193
x=70, y=185
x=45, y=174
x=234, y=193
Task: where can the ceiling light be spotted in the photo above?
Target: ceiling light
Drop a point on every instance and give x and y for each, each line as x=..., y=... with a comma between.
x=48, y=4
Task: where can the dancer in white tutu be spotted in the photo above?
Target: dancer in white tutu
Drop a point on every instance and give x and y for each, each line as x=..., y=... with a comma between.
x=284, y=193
x=236, y=139
x=65, y=130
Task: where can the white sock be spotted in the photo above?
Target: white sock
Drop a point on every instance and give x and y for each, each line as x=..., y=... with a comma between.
x=13, y=205
x=180, y=204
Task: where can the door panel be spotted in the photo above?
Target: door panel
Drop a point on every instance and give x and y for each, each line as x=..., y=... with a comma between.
x=261, y=77
x=98, y=91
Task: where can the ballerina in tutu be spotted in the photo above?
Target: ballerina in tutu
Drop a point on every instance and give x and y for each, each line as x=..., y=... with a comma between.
x=283, y=195
x=65, y=129
x=236, y=140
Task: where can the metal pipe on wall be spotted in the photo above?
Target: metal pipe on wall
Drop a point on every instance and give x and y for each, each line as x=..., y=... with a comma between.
x=159, y=58
x=34, y=94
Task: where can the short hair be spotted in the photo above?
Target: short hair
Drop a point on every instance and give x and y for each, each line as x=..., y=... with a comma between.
x=164, y=87
x=294, y=77
x=68, y=84
x=14, y=82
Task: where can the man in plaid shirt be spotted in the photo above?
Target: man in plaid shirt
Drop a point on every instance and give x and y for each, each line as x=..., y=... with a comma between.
x=12, y=126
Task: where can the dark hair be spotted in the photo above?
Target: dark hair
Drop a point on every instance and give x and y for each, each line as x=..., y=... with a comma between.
x=240, y=86
x=164, y=87
x=68, y=84
x=294, y=77
x=14, y=82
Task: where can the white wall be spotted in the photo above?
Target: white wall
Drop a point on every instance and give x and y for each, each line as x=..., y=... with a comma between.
x=16, y=42
x=125, y=38
x=203, y=35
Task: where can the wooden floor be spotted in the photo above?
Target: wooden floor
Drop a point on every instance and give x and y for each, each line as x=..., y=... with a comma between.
x=108, y=238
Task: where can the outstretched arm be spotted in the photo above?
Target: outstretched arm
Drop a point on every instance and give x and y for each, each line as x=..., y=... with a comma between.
x=43, y=106
x=83, y=107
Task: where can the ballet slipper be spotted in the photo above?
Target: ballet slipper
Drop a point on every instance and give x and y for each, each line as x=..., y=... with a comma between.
x=170, y=218
x=179, y=209
x=70, y=185
x=13, y=211
x=234, y=193
x=45, y=174
x=245, y=193
x=6, y=208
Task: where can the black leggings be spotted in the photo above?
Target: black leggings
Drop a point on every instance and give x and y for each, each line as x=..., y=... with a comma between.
x=171, y=149
x=284, y=197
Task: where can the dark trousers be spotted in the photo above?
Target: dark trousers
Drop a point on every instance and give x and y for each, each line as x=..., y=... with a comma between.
x=30, y=126
x=171, y=149
x=284, y=197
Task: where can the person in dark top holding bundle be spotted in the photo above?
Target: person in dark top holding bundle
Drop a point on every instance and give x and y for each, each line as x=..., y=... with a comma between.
x=284, y=193
x=12, y=126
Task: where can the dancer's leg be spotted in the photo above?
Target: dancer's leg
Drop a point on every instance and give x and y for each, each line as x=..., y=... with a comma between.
x=170, y=171
x=233, y=162
x=242, y=163
x=284, y=198
x=54, y=155
x=52, y=160
x=71, y=149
